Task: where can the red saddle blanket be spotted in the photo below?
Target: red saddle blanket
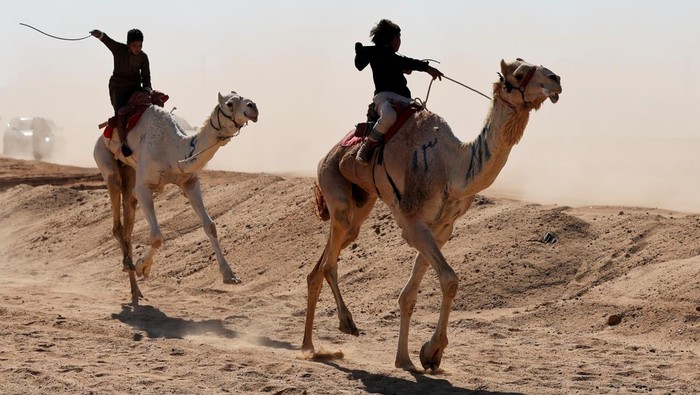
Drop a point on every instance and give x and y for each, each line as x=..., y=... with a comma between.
x=138, y=103
x=361, y=130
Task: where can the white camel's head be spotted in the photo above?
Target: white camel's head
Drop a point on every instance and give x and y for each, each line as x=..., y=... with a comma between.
x=239, y=109
x=526, y=85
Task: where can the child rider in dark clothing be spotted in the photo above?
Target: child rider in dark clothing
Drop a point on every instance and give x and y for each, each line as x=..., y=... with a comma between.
x=388, y=69
x=131, y=74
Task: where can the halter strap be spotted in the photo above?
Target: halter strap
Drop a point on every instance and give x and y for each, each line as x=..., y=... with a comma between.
x=521, y=88
x=218, y=120
x=527, y=79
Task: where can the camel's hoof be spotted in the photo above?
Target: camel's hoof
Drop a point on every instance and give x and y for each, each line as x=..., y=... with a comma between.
x=308, y=351
x=135, y=297
x=432, y=361
x=233, y=279
x=141, y=269
x=128, y=264
x=407, y=366
x=348, y=327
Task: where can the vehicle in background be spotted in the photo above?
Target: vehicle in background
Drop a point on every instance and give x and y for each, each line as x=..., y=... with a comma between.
x=29, y=136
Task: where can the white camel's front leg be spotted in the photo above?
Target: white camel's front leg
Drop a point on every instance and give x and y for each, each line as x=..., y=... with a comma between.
x=144, y=195
x=193, y=191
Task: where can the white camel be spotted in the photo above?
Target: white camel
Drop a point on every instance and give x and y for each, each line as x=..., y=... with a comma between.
x=428, y=179
x=164, y=154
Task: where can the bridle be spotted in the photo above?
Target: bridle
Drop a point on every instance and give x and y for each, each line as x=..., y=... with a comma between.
x=523, y=85
x=219, y=111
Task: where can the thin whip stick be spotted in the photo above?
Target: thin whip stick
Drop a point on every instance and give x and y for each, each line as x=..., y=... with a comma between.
x=56, y=37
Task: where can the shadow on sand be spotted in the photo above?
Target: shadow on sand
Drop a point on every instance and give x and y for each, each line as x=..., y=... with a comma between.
x=157, y=324
x=424, y=384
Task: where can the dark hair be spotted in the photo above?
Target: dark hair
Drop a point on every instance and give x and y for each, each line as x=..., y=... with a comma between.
x=384, y=32
x=134, y=35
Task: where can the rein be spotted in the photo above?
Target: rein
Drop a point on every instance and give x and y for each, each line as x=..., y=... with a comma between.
x=456, y=82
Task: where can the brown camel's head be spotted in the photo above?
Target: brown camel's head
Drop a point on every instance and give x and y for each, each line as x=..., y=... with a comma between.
x=524, y=85
x=238, y=108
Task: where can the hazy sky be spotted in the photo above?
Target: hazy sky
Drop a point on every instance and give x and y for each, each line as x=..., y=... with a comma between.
x=624, y=132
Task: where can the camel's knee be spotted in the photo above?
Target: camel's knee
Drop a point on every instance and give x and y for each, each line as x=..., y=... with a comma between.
x=449, y=283
x=210, y=229
x=341, y=219
x=314, y=280
x=353, y=233
x=114, y=181
x=118, y=231
x=407, y=303
x=314, y=283
x=157, y=239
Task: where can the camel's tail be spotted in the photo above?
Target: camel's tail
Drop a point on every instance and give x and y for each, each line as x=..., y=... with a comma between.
x=321, y=208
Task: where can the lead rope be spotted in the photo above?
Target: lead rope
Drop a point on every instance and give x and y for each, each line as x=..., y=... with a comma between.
x=427, y=95
x=424, y=103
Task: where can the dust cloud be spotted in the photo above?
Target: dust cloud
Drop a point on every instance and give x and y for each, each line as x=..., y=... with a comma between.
x=555, y=163
x=610, y=140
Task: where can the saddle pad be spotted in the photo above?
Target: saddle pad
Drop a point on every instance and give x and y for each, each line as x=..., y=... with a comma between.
x=130, y=124
x=361, y=130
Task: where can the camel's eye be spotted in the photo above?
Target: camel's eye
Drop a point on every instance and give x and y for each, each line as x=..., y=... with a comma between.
x=518, y=76
x=229, y=104
x=249, y=105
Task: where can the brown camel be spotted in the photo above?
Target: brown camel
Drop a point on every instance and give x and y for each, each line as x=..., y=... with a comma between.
x=428, y=179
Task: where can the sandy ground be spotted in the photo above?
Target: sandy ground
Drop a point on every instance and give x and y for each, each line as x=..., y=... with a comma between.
x=529, y=317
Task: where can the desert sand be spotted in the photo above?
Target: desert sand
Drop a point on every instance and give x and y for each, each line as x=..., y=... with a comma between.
x=530, y=317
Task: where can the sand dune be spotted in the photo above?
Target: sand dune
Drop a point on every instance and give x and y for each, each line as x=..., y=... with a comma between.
x=530, y=317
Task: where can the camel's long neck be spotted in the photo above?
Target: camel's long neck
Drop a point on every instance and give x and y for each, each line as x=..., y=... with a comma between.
x=483, y=159
x=201, y=147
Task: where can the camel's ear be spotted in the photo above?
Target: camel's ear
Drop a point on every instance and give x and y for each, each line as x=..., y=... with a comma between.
x=504, y=68
x=222, y=101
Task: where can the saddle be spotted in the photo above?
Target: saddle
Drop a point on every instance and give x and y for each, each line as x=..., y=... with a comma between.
x=403, y=112
x=138, y=103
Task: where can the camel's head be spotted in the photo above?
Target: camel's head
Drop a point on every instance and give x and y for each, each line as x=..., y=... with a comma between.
x=526, y=85
x=237, y=108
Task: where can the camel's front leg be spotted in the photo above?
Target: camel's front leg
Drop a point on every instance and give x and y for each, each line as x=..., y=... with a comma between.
x=144, y=194
x=421, y=238
x=193, y=191
x=407, y=302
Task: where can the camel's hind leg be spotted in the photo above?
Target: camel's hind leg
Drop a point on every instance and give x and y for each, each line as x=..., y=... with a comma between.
x=129, y=203
x=346, y=218
x=119, y=180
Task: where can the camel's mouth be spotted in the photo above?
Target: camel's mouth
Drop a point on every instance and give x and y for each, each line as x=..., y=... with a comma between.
x=253, y=117
x=553, y=96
